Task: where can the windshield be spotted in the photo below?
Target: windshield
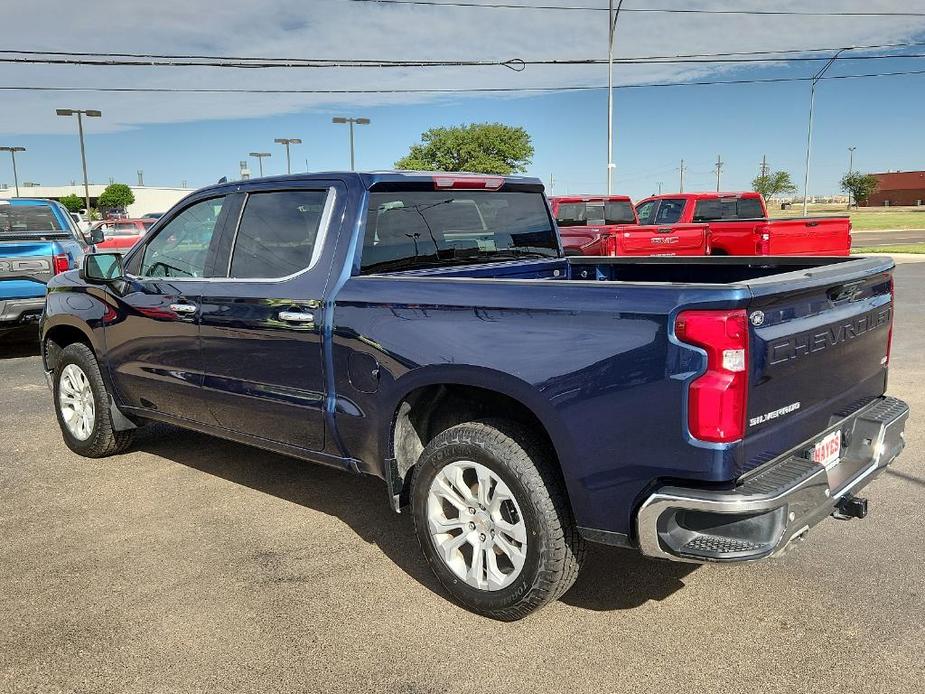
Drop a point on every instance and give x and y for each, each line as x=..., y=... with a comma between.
x=408, y=230
x=27, y=219
x=580, y=214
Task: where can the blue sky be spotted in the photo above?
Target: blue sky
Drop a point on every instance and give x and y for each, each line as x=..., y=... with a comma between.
x=199, y=138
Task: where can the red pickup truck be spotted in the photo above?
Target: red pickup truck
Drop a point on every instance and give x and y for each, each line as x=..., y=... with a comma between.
x=607, y=226
x=739, y=224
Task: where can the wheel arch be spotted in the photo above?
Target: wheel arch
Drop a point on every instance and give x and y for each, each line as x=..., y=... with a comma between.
x=428, y=401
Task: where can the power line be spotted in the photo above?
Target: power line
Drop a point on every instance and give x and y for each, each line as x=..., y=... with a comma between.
x=190, y=60
x=448, y=90
x=516, y=64
x=642, y=10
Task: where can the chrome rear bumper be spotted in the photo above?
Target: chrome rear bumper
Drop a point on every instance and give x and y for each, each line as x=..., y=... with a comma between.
x=776, y=503
x=14, y=310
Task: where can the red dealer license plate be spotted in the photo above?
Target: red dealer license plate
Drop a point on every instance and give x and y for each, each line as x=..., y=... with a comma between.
x=827, y=451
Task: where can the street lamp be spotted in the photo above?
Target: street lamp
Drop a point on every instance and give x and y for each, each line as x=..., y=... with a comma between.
x=12, y=151
x=809, y=133
x=288, y=141
x=89, y=113
x=850, y=170
x=611, y=32
x=259, y=156
x=340, y=120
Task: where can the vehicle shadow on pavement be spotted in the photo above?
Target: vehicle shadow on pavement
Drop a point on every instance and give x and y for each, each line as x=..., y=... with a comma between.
x=359, y=501
x=611, y=578
x=16, y=344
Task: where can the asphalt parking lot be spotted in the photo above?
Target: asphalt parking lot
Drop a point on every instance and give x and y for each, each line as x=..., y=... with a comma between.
x=191, y=564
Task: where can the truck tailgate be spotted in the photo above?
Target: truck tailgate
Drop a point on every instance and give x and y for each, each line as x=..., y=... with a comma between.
x=677, y=239
x=25, y=268
x=809, y=236
x=633, y=240
x=819, y=350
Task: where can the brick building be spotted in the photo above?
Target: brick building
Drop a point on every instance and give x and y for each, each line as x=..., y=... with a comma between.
x=899, y=188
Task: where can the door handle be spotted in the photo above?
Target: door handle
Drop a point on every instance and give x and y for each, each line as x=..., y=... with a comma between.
x=296, y=317
x=184, y=309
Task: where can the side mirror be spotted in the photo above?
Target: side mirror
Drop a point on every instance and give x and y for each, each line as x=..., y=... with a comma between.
x=97, y=235
x=103, y=267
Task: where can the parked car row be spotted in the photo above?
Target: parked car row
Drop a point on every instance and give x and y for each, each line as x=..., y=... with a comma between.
x=428, y=330
x=693, y=224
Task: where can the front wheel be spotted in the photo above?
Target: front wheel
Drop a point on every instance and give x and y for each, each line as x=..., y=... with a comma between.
x=493, y=520
x=82, y=405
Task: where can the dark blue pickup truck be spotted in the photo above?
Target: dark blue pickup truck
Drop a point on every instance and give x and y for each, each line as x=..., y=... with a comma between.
x=428, y=329
x=38, y=240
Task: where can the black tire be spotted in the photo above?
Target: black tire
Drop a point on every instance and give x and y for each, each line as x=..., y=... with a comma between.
x=554, y=547
x=103, y=439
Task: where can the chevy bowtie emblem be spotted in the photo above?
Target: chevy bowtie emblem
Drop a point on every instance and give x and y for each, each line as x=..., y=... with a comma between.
x=757, y=318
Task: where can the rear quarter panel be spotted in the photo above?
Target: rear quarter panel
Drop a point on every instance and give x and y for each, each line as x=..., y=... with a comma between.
x=595, y=362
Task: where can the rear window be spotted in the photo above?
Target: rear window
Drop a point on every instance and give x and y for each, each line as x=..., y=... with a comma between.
x=408, y=230
x=571, y=214
x=18, y=219
x=728, y=208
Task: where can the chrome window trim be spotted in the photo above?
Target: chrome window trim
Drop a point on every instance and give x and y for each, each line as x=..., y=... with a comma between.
x=324, y=225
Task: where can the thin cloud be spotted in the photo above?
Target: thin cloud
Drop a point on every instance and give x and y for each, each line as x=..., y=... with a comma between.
x=338, y=29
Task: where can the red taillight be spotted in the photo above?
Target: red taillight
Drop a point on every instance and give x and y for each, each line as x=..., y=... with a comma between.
x=468, y=182
x=60, y=263
x=717, y=398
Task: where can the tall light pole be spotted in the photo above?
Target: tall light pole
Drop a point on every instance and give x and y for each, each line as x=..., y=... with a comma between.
x=850, y=170
x=288, y=141
x=809, y=132
x=611, y=31
x=259, y=157
x=12, y=151
x=89, y=113
x=358, y=121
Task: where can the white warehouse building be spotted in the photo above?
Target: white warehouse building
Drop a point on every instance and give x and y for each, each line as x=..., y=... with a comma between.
x=148, y=199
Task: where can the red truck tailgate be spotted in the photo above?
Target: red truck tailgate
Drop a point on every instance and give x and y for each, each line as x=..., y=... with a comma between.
x=678, y=239
x=809, y=236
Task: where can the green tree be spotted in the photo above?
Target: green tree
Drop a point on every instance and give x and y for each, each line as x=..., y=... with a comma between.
x=492, y=148
x=72, y=202
x=770, y=184
x=859, y=186
x=116, y=196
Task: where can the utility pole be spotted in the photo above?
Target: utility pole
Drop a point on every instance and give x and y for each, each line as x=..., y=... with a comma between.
x=12, y=151
x=681, y=189
x=719, y=170
x=764, y=166
x=552, y=183
x=141, y=177
x=611, y=32
x=659, y=187
x=809, y=132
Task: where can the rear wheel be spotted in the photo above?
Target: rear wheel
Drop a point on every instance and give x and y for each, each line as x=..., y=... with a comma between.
x=82, y=405
x=493, y=520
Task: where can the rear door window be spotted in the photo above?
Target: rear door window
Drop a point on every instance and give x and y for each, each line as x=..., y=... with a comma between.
x=669, y=211
x=278, y=234
x=646, y=212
